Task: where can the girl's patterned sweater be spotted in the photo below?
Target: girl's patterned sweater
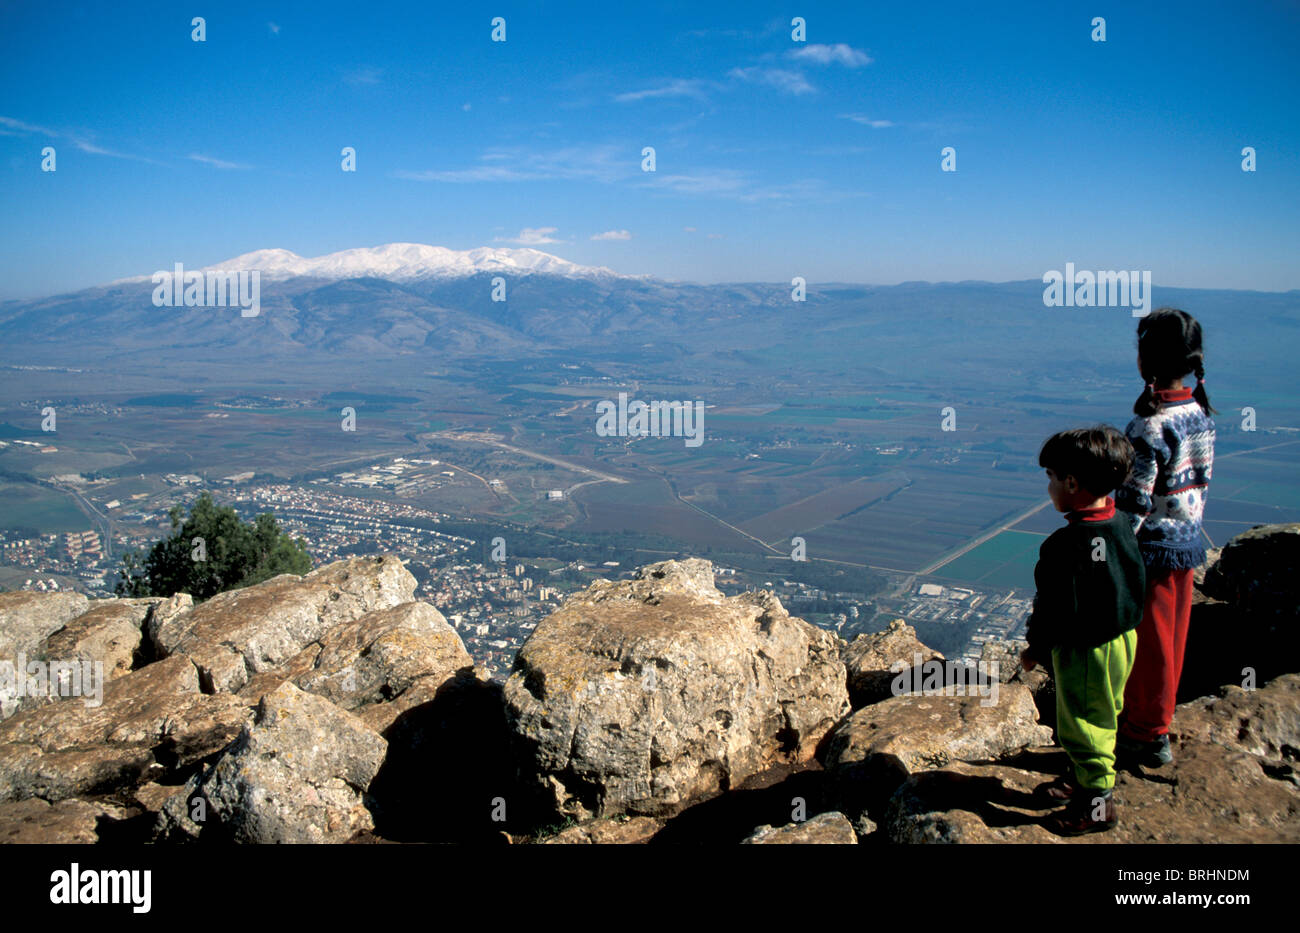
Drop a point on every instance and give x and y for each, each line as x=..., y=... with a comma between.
x=1165, y=492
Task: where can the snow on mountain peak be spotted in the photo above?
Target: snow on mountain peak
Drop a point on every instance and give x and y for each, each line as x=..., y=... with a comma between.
x=406, y=261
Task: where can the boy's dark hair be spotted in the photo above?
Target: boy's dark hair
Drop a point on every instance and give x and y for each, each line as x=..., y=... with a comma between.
x=1169, y=342
x=1099, y=458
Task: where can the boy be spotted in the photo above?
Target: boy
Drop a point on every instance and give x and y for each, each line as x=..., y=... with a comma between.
x=1091, y=583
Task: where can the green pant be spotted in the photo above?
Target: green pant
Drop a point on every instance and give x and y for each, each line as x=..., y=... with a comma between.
x=1089, y=697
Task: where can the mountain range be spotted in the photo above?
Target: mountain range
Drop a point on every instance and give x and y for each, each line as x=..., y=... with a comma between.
x=405, y=262
x=421, y=302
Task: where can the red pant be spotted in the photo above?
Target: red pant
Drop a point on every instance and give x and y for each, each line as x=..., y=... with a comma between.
x=1149, y=695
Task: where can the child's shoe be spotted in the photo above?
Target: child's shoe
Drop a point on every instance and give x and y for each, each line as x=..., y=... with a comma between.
x=1153, y=754
x=1078, y=818
x=1057, y=789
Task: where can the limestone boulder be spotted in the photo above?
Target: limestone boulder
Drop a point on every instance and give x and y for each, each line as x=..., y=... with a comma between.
x=27, y=618
x=874, y=661
x=379, y=665
x=298, y=772
x=625, y=830
x=110, y=632
x=824, y=829
x=641, y=696
x=152, y=719
x=239, y=633
x=1257, y=571
x=923, y=732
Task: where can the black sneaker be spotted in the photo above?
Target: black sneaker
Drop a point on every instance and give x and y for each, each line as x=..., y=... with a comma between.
x=1153, y=754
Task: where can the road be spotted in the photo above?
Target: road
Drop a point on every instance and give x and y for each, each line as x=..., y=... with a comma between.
x=492, y=441
x=105, y=523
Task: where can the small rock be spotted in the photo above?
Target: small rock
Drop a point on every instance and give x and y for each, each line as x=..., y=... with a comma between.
x=823, y=829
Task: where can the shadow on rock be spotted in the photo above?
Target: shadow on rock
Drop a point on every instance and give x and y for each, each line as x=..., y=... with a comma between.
x=733, y=816
x=448, y=770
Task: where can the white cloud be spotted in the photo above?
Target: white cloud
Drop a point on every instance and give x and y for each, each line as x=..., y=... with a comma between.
x=86, y=145
x=23, y=128
x=709, y=181
x=678, y=87
x=839, y=53
x=274, y=27
x=689, y=229
x=604, y=163
x=216, y=163
x=613, y=235
x=791, y=82
x=531, y=236
x=868, y=121
x=619, y=164
x=11, y=127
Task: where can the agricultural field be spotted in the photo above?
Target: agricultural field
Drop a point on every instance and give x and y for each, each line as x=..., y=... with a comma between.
x=1005, y=560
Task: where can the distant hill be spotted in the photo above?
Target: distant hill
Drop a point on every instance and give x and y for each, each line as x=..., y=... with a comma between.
x=407, y=300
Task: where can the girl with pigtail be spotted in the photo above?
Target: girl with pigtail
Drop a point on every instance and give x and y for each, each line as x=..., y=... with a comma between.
x=1173, y=437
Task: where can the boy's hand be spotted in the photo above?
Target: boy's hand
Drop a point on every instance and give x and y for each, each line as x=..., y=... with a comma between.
x=1026, y=661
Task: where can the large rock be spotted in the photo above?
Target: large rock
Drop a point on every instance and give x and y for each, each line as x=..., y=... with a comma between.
x=110, y=631
x=163, y=612
x=609, y=831
x=1001, y=660
x=97, y=646
x=1245, y=620
x=874, y=661
x=880, y=746
x=27, y=618
x=823, y=829
x=299, y=772
x=923, y=733
x=151, y=719
x=258, y=628
x=1257, y=572
x=378, y=666
x=641, y=696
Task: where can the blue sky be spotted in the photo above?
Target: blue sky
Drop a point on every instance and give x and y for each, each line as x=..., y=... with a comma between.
x=774, y=158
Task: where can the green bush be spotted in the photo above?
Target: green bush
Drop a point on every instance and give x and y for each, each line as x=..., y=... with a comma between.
x=210, y=552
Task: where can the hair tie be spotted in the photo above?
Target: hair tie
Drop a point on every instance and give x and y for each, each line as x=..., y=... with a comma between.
x=1151, y=386
x=1200, y=380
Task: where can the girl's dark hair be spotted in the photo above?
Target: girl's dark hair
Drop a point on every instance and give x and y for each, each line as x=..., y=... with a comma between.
x=1169, y=343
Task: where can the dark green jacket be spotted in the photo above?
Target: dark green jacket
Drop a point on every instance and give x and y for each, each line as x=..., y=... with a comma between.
x=1083, y=601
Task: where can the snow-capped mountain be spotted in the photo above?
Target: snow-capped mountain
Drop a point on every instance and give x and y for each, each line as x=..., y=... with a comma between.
x=399, y=262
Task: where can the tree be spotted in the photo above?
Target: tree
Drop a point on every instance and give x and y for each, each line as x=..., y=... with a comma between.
x=210, y=552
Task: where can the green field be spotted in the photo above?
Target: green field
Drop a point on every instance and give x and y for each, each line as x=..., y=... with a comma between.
x=1004, y=560
x=30, y=506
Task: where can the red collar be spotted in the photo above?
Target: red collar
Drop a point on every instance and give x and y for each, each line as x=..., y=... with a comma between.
x=1099, y=514
x=1182, y=393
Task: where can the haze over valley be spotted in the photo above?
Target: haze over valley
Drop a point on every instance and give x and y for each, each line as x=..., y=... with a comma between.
x=477, y=419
